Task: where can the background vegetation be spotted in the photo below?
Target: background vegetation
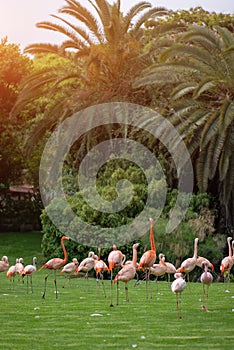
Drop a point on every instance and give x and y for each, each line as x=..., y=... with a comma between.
x=177, y=63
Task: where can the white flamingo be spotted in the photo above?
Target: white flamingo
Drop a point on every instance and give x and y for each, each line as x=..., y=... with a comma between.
x=28, y=271
x=206, y=280
x=177, y=287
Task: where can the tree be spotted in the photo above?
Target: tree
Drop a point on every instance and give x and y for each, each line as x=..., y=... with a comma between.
x=13, y=69
x=103, y=52
x=200, y=67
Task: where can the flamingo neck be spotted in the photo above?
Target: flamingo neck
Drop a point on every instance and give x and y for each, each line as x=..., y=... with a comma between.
x=64, y=251
x=134, y=256
x=195, y=249
x=229, y=248
x=152, y=236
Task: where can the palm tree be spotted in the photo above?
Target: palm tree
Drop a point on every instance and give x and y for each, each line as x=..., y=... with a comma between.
x=200, y=69
x=102, y=53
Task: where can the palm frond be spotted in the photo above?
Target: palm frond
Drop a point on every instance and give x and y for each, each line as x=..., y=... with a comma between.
x=134, y=11
x=210, y=129
x=204, y=37
x=204, y=85
x=182, y=89
x=226, y=35
x=42, y=48
x=226, y=114
x=83, y=15
x=152, y=13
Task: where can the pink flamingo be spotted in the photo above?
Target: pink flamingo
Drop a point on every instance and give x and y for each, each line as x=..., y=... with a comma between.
x=99, y=267
x=4, y=264
x=87, y=264
x=227, y=262
x=70, y=268
x=19, y=266
x=115, y=259
x=170, y=269
x=177, y=287
x=128, y=270
x=206, y=279
x=11, y=273
x=148, y=258
x=55, y=264
x=28, y=271
x=200, y=261
x=158, y=269
x=189, y=264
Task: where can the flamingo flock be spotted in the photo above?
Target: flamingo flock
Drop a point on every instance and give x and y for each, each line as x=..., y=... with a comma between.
x=126, y=270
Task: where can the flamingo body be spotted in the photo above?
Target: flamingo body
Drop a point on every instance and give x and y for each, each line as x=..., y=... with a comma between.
x=128, y=270
x=201, y=260
x=4, y=264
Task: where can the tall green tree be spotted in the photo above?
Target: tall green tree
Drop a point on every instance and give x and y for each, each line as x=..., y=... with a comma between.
x=14, y=67
x=199, y=66
x=103, y=49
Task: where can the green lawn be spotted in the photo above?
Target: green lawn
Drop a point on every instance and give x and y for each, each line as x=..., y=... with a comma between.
x=81, y=317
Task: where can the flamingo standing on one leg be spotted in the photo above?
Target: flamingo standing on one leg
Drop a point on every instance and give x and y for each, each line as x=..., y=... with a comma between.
x=206, y=279
x=148, y=258
x=227, y=262
x=128, y=270
x=55, y=264
x=177, y=287
x=115, y=259
x=99, y=267
x=28, y=271
x=189, y=264
x=70, y=268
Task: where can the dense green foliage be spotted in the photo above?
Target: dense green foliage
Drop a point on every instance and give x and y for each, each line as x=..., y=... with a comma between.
x=13, y=69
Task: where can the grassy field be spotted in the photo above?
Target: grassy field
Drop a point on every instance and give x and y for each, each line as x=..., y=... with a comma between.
x=81, y=317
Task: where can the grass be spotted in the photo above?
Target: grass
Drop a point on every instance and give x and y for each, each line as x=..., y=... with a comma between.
x=81, y=317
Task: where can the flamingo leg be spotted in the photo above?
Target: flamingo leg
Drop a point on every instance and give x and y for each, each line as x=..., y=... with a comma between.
x=103, y=285
x=178, y=304
x=111, y=282
x=46, y=277
x=156, y=281
x=55, y=284
x=126, y=290
x=31, y=283
x=27, y=284
x=117, y=292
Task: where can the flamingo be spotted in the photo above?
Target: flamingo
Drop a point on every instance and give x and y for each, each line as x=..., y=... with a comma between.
x=4, y=264
x=170, y=269
x=227, y=262
x=11, y=273
x=99, y=267
x=177, y=287
x=115, y=259
x=19, y=266
x=206, y=279
x=87, y=264
x=148, y=258
x=189, y=264
x=55, y=264
x=128, y=270
x=28, y=271
x=158, y=269
x=201, y=259
x=70, y=268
